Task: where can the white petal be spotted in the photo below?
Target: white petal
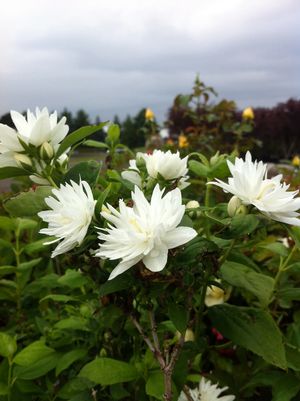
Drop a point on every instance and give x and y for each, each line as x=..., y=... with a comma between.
x=179, y=236
x=157, y=259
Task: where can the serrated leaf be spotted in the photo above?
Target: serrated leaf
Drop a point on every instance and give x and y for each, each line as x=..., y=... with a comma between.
x=107, y=371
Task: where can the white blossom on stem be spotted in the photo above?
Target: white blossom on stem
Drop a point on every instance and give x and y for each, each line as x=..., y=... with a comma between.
x=71, y=211
x=206, y=391
x=144, y=232
x=250, y=184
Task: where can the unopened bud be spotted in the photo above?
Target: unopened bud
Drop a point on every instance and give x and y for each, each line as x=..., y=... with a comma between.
x=214, y=159
x=149, y=115
x=46, y=151
x=193, y=204
x=242, y=210
x=233, y=206
x=189, y=335
x=248, y=114
x=296, y=161
x=22, y=160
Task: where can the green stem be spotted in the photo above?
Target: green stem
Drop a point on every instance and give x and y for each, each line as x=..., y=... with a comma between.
x=200, y=311
x=18, y=252
x=227, y=253
x=283, y=266
x=52, y=182
x=207, y=204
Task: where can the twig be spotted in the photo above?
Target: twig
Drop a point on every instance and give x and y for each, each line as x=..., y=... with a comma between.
x=187, y=393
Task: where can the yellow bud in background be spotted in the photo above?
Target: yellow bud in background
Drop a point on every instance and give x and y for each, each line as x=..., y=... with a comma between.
x=189, y=335
x=183, y=141
x=233, y=206
x=296, y=161
x=46, y=151
x=248, y=114
x=149, y=115
x=22, y=160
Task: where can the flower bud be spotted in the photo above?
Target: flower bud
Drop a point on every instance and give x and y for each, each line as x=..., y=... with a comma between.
x=233, y=206
x=215, y=295
x=46, y=151
x=183, y=141
x=189, y=335
x=149, y=115
x=296, y=161
x=22, y=160
x=242, y=210
x=214, y=159
x=193, y=204
x=248, y=114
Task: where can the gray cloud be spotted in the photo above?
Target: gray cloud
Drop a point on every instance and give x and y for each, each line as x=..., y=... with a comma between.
x=120, y=65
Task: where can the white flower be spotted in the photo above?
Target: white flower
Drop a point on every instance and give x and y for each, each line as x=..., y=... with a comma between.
x=72, y=211
x=35, y=130
x=250, y=184
x=169, y=165
x=145, y=231
x=215, y=295
x=207, y=392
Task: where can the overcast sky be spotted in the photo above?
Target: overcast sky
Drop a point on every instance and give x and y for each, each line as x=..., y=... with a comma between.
x=117, y=56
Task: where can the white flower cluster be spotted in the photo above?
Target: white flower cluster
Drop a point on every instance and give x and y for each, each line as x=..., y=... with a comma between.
x=165, y=164
x=249, y=183
x=206, y=391
x=39, y=129
x=144, y=232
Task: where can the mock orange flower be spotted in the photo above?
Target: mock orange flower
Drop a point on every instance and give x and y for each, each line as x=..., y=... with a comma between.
x=149, y=115
x=248, y=114
x=296, y=161
x=183, y=141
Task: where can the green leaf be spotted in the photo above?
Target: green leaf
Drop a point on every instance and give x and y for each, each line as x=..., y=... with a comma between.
x=95, y=144
x=73, y=323
x=28, y=203
x=106, y=371
x=293, y=357
x=179, y=316
x=8, y=345
x=3, y=388
x=7, y=270
x=33, y=353
x=73, y=279
x=58, y=298
x=29, y=265
x=198, y=168
x=243, y=225
x=155, y=385
x=244, y=277
x=276, y=247
x=38, y=368
x=77, y=136
x=251, y=328
x=7, y=224
x=101, y=199
x=84, y=171
x=74, y=387
x=121, y=282
x=10, y=172
x=26, y=224
x=67, y=359
x=38, y=246
x=113, y=133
